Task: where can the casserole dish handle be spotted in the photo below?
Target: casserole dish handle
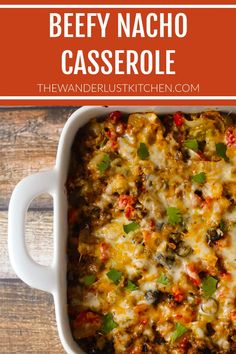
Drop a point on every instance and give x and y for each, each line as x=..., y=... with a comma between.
x=35, y=275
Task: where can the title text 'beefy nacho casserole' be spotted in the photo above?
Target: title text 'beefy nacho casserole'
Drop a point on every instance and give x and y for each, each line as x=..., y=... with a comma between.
x=152, y=234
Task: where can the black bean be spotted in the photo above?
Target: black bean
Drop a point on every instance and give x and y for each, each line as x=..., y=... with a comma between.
x=228, y=196
x=183, y=250
x=170, y=258
x=108, y=348
x=167, y=123
x=186, y=155
x=160, y=259
x=220, y=265
x=144, y=348
x=188, y=116
x=214, y=235
x=210, y=329
x=158, y=338
x=201, y=145
x=202, y=274
x=204, y=351
x=165, y=261
x=153, y=297
x=174, y=237
x=170, y=297
x=159, y=225
x=87, y=345
x=198, y=192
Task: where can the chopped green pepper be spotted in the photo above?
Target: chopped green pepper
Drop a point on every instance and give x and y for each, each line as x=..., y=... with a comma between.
x=108, y=323
x=209, y=286
x=130, y=227
x=179, y=331
x=114, y=275
x=143, y=152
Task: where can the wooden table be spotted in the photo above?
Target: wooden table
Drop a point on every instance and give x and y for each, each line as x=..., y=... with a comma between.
x=28, y=143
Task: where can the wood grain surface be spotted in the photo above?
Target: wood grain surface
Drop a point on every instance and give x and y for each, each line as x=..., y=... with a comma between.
x=27, y=320
x=39, y=240
x=28, y=144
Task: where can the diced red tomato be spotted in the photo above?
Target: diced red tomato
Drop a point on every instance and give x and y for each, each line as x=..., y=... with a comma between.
x=111, y=134
x=198, y=300
x=152, y=224
x=125, y=200
x=121, y=128
x=114, y=117
x=104, y=250
x=202, y=156
x=226, y=276
x=178, y=294
x=114, y=145
x=73, y=216
x=199, y=200
x=143, y=320
x=195, y=281
x=86, y=324
x=230, y=137
x=233, y=315
x=191, y=267
x=184, y=342
x=129, y=212
x=141, y=308
x=193, y=275
x=126, y=203
x=86, y=317
x=178, y=119
x=180, y=138
x=208, y=201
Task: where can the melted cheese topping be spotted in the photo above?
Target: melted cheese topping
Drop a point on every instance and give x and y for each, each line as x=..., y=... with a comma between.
x=152, y=234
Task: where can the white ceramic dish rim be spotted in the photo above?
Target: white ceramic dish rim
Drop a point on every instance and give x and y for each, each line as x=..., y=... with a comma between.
x=53, y=278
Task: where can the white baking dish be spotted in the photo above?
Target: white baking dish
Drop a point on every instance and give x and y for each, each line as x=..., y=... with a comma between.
x=53, y=279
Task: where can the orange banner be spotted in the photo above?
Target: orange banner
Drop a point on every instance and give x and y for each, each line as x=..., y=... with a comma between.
x=99, y=2
x=124, y=55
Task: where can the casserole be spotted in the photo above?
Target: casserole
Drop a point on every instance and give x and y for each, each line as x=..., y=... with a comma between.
x=53, y=278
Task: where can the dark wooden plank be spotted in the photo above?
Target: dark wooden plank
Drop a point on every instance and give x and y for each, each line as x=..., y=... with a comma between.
x=28, y=144
x=27, y=320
